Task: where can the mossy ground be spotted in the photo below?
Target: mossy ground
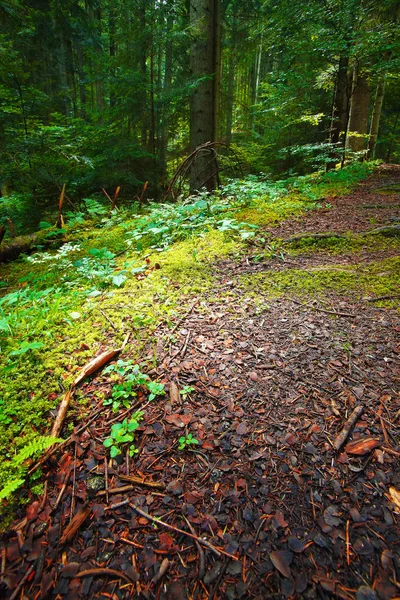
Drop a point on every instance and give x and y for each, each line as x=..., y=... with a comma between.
x=55, y=307
x=372, y=280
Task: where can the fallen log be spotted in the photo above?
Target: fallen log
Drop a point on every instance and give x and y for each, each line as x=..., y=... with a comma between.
x=14, y=247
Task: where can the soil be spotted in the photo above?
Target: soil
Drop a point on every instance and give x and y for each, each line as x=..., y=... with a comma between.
x=286, y=509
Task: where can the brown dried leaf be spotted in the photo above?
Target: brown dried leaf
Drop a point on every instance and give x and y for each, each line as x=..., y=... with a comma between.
x=282, y=559
x=394, y=496
x=362, y=446
x=178, y=420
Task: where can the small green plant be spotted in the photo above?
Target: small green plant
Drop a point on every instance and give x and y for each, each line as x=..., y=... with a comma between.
x=37, y=446
x=186, y=390
x=123, y=391
x=123, y=433
x=187, y=440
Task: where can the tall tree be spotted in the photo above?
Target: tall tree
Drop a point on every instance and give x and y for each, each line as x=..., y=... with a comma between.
x=204, y=102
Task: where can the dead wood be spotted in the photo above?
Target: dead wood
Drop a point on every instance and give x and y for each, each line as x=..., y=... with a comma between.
x=343, y=435
x=26, y=244
x=75, y=524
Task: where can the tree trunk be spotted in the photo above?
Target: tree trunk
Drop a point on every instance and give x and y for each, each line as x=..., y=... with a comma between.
x=205, y=65
x=339, y=109
x=163, y=142
x=112, y=47
x=376, y=117
x=359, y=112
x=230, y=97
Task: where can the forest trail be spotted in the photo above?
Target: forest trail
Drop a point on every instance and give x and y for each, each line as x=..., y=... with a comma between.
x=275, y=375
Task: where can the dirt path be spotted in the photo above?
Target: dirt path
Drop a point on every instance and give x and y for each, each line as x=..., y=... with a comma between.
x=275, y=381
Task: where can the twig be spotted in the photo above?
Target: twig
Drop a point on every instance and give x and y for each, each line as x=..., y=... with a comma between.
x=106, y=484
x=21, y=583
x=117, y=505
x=73, y=487
x=121, y=489
x=107, y=319
x=343, y=435
x=63, y=488
x=200, y=540
x=347, y=542
x=202, y=561
x=183, y=351
x=104, y=571
x=391, y=451
x=140, y=481
x=324, y=310
x=179, y=323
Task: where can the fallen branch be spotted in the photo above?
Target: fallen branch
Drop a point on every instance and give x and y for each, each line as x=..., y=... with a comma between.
x=140, y=481
x=75, y=524
x=200, y=540
x=343, y=435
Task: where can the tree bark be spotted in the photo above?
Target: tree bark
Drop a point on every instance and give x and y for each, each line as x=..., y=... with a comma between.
x=376, y=117
x=339, y=109
x=163, y=142
x=205, y=67
x=359, y=113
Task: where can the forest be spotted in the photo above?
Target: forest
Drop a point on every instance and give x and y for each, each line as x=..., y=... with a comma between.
x=102, y=94
x=199, y=299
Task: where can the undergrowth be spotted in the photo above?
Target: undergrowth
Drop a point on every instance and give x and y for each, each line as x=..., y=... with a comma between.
x=119, y=274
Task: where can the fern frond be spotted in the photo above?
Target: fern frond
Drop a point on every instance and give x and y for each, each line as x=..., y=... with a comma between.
x=10, y=487
x=36, y=446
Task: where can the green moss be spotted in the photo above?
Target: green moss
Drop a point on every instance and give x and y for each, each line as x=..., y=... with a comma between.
x=351, y=243
x=376, y=279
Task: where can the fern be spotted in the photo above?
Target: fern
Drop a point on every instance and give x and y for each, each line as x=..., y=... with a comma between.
x=10, y=487
x=39, y=444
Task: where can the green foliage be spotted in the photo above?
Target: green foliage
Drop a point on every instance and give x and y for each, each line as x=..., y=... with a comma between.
x=186, y=390
x=123, y=433
x=130, y=377
x=34, y=448
x=186, y=440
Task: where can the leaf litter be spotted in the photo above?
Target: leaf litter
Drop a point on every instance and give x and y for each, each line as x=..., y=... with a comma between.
x=265, y=505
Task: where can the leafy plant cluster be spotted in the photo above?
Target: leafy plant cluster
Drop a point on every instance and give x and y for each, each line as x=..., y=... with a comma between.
x=129, y=378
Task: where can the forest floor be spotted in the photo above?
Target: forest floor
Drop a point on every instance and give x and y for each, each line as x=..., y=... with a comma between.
x=264, y=372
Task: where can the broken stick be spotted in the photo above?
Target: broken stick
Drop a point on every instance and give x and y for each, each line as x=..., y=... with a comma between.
x=200, y=540
x=343, y=435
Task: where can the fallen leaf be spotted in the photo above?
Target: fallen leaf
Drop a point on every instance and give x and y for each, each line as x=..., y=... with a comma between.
x=174, y=394
x=241, y=428
x=394, y=496
x=282, y=559
x=166, y=540
x=178, y=420
x=175, y=487
x=362, y=446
